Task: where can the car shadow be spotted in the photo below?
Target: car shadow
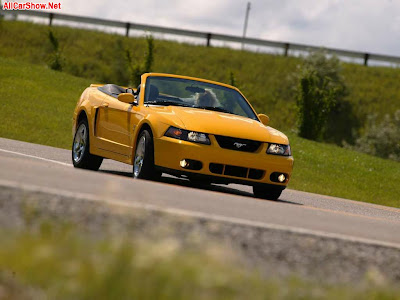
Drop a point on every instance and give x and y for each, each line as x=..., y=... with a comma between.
x=209, y=187
x=120, y=173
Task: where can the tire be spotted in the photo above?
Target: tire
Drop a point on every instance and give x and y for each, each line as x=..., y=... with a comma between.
x=81, y=157
x=267, y=192
x=143, y=161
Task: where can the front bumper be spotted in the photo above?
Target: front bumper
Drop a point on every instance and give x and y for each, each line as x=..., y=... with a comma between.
x=169, y=152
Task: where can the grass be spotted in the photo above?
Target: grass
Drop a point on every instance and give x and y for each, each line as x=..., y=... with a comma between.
x=58, y=262
x=38, y=105
x=331, y=170
x=266, y=80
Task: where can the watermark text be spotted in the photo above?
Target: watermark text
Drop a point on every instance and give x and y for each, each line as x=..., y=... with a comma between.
x=31, y=6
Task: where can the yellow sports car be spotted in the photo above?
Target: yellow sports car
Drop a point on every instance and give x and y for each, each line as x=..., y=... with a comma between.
x=188, y=127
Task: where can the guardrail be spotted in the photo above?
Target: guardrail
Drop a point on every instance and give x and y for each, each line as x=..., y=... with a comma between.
x=286, y=48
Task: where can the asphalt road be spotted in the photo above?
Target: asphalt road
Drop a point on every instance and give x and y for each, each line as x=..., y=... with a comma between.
x=50, y=168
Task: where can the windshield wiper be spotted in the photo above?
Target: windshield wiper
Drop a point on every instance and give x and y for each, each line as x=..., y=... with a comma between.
x=215, y=108
x=167, y=103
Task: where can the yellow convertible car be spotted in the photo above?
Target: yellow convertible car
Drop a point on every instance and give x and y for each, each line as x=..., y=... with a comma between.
x=187, y=127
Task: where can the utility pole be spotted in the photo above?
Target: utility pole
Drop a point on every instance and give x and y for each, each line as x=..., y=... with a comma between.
x=246, y=19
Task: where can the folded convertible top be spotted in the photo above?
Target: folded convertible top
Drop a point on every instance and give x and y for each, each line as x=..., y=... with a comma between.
x=114, y=90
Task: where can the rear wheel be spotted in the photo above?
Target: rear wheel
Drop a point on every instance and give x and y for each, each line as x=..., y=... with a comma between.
x=143, y=162
x=81, y=157
x=267, y=192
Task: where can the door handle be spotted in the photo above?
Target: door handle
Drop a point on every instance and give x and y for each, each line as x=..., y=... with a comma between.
x=105, y=104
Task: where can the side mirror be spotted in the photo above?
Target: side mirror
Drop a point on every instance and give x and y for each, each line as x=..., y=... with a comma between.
x=126, y=97
x=264, y=119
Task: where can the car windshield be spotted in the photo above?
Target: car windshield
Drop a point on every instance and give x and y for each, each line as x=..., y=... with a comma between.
x=162, y=90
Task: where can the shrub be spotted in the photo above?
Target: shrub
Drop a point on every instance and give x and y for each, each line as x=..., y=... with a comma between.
x=381, y=139
x=343, y=125
x=149, y=58
x=119, y=74
x=232, y=79
x=56, y=59
x=136, y=69
x=319, y=91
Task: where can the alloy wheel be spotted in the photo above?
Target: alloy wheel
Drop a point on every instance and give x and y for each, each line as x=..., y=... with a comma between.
x=139, y=156
x=80, y=143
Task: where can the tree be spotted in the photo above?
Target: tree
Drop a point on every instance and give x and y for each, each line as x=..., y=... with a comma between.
x=320, y=89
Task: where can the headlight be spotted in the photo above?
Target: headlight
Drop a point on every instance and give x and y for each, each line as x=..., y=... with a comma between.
x=186, y=135
x=278, y=149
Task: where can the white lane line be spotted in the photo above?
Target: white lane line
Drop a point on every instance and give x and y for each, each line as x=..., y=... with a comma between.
x=194, y=214
x=36, y=157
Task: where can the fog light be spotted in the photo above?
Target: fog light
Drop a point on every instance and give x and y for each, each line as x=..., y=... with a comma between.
x=184, y=163
x=279, y=177
x=191, y=164
x=282, y=178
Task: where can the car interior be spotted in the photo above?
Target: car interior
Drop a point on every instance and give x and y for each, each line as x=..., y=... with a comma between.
x=114, y=90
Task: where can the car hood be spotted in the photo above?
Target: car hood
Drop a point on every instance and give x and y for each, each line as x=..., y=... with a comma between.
x=219, y=123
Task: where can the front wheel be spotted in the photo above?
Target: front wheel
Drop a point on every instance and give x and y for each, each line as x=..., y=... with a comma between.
x=143, y=162
x=81, y=157
x=267, y=192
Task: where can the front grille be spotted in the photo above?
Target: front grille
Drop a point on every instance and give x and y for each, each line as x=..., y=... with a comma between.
x=216, y=168
x=237, y=144
x=236, y=171
x=256, y=174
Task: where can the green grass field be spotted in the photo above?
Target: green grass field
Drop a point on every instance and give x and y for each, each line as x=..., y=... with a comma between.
x=57, y=262
x=266, y=80
x=37, y=106
x=37, y=103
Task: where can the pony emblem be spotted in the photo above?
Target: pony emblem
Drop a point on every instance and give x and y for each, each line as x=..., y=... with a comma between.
x=239, y=145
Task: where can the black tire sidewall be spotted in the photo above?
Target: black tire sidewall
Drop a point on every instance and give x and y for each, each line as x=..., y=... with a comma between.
x=267, y=192
x=87, y=161
x=80, y=163
x=147, y=171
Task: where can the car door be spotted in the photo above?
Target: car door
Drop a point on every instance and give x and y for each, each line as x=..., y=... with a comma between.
x=115, y=124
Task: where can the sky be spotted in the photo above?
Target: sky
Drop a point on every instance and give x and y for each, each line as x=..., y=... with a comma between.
x=363, y=25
